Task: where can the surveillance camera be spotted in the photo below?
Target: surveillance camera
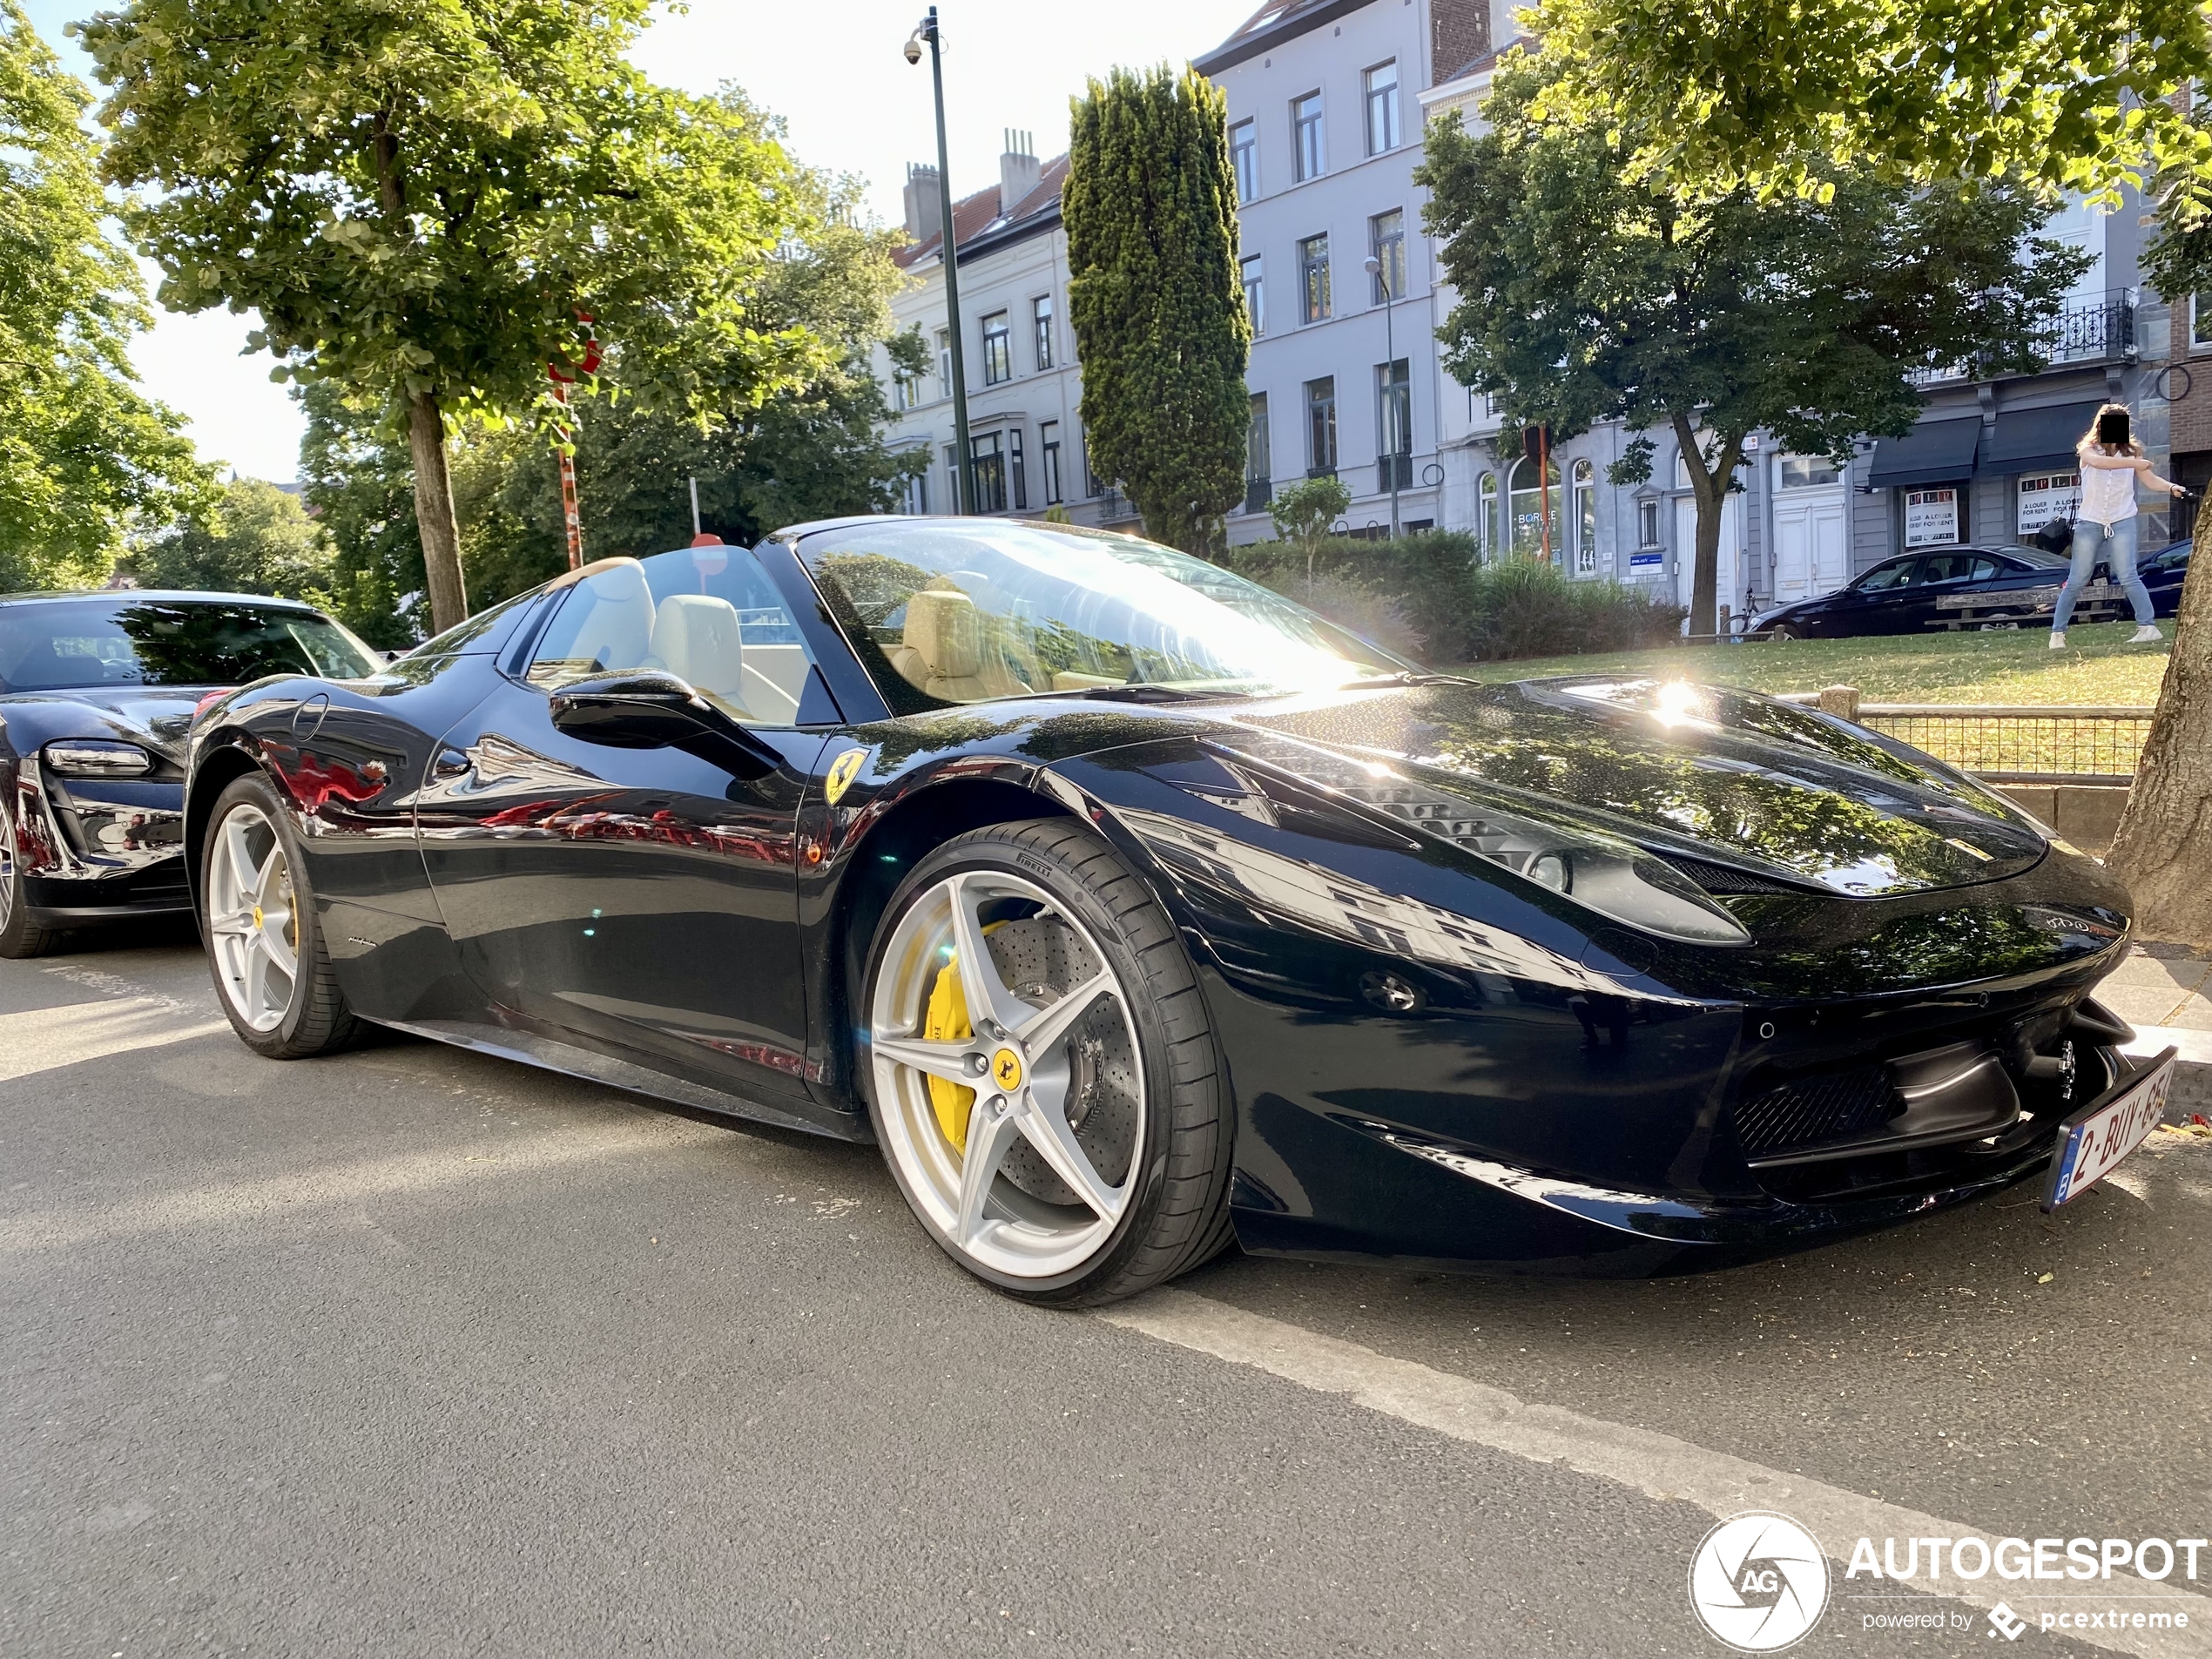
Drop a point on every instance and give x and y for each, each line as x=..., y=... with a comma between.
x=914, y=50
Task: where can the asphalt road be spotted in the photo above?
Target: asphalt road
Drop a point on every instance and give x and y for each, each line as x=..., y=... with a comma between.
x=413, y=1353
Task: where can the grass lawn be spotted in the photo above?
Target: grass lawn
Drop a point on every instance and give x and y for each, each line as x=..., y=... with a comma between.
x=2097, y=666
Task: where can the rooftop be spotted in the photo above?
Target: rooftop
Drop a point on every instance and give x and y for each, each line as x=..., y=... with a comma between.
x=983, y=215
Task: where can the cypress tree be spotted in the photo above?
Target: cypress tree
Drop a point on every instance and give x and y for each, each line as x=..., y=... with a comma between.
x=1151, y=211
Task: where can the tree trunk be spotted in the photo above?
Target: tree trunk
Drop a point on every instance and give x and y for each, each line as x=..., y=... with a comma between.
x=2163, y=850
x=434, y=517
x=1709, y=485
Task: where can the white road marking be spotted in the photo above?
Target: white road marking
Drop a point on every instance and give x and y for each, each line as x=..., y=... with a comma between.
x=310, y=1195
x=46, y=1039
x=1658, y=1465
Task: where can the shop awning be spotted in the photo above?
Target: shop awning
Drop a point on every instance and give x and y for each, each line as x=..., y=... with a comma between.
x=2037, y=440
x=1934, y=452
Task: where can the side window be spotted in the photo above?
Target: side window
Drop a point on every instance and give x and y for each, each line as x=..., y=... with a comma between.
x=707, y=615
x=1887, y=575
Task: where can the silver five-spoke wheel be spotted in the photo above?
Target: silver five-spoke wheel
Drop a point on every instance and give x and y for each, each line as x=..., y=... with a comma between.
x=1007, y=1070
x=251, y=924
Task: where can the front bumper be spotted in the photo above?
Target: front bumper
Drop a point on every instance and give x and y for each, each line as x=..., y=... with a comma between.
x=98, y=849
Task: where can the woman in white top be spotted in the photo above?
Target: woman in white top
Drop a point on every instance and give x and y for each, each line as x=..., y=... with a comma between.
x=2105, y=528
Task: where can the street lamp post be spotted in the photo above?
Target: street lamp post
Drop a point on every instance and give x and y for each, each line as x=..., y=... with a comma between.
x=1397, y=433
x=964, y=481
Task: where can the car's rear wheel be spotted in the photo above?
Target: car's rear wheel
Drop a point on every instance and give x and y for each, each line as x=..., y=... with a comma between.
x=264, y=947
x=18, y=937
x=1042, y=1072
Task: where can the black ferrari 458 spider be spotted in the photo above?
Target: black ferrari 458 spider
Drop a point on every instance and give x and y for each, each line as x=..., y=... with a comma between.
x=1130, y=908
x=97, y=692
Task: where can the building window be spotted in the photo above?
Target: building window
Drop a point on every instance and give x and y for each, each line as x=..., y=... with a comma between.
x=918, y=493
x=952, y=478
x=1386, y=240
x=1394, y=423
x=1244, y=160
x=1647, y=521
x=1585, y=519
x=1321, y=427
x=1313, y=278
x=2199, y=324
x=1308, y=149
x=944, y=362
x=998, y=350
x=1041, y=317
x=1486, y=518
x=988, y=451
x=1259, y=460
x=1017, y=471
x=1382, y=108
x=905, y=390
x=1255, y=280
x=1805, y=472
x=1534, y=511
x=1048, y=450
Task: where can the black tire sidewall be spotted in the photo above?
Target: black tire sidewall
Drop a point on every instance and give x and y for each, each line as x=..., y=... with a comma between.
x=256, y=790
x=989, y=852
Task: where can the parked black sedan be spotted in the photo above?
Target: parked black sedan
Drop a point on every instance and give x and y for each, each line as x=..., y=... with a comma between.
x=1967, y=587
x=1129, y=906
x=97, y=691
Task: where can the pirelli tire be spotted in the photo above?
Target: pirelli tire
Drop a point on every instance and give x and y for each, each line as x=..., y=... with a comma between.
x=1059, y=1123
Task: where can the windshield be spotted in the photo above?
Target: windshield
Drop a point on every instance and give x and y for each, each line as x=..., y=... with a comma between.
x=968, y=611
x=70, y=644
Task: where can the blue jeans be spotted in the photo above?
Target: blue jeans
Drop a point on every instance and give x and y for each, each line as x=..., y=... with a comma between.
x=2115, y=544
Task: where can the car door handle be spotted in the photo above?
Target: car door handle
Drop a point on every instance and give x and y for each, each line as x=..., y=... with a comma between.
x=450, y=763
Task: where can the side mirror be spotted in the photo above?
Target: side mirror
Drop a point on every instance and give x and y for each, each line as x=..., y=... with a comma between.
x=643, y=709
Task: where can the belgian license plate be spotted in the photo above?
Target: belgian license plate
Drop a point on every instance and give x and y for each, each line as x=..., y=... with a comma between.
x=2093, y=1141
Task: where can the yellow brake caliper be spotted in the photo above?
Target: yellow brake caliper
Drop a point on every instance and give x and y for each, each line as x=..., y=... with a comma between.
x=946, y=1020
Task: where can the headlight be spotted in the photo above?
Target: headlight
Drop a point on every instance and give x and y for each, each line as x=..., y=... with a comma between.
x=1616, y=879
x=95, y=758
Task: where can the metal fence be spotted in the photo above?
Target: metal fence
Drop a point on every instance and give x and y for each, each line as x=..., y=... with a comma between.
x=2044, y=744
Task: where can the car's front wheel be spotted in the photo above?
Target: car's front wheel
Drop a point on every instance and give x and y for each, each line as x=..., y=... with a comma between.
x=18, y=937
x=1042, y=1073
x=264, y=946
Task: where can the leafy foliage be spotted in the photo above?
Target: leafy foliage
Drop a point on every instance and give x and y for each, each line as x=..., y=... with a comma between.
x=82, y=450
x=255, y=538
x=1151, y=211
x=359, y=482
x=1424, y=594
x=1587, y=295
x=423, y=200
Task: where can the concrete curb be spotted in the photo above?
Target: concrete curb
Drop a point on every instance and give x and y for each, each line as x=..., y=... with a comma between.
x=2192, y=1069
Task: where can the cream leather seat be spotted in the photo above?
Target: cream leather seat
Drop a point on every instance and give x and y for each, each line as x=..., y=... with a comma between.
x=696, y=638
x=615, y=630
x=942, y=649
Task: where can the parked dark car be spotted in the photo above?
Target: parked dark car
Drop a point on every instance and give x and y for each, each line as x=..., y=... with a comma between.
x=97, y=692
x=1131, y=907
x=1967, y=587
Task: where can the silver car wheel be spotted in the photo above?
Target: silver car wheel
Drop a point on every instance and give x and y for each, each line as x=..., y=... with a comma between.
x=251, y=923
x=7, y=870
x=1022, y=1158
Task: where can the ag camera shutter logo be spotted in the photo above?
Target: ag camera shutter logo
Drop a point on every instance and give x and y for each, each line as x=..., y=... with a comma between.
x=1758, y=1581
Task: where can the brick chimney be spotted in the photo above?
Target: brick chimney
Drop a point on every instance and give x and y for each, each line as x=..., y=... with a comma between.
x=1019, y=170
x=925, y=202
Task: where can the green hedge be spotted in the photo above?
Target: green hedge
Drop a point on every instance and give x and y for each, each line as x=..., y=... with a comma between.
x=1424, y=593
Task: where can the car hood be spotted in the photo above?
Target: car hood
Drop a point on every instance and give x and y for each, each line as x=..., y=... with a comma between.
x=158, y=716
x=1697, y=772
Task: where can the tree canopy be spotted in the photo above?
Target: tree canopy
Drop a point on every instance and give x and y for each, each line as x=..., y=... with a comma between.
x=1586, y=294
x=82, y=450
x=253, y=538
x=431, y=202
x=1150, y=209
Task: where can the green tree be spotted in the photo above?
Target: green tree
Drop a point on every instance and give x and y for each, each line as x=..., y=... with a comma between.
x=1589, y=295
x=254, y=539
x=82, y=450
x=1150, y=209
x=1303, y=511
x=2065, y=92
x=358, y=477
x=424, y=202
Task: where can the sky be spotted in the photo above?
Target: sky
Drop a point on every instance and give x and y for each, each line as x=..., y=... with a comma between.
x=832, y=69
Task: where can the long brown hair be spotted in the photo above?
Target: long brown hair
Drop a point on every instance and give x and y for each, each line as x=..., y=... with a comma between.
x=2089, y=439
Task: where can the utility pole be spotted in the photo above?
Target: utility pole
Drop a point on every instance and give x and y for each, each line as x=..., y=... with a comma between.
x=964, y=481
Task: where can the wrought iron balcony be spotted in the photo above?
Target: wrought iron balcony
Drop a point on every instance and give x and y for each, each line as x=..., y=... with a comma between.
x=2093, y=331
x=1257, y=493
x=1401, y=464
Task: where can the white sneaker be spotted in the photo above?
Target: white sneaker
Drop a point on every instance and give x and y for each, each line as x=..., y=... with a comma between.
x=2146, y=635
x=2058, y=640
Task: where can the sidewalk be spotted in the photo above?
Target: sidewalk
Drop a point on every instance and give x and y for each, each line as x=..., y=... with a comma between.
x=2165, y=992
